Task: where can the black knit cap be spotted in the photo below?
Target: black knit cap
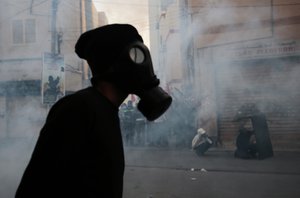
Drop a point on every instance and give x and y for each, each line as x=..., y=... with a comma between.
x=103, y=45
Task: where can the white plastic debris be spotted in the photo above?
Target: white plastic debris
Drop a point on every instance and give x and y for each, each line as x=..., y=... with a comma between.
x=193, y=178
x=203, y=170
x=192, y=169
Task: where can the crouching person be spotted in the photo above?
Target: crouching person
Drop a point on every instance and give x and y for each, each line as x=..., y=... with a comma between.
x=201, y=142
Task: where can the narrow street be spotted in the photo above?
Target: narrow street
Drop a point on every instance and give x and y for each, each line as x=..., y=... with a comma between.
x=180, y=173
x=163, y=173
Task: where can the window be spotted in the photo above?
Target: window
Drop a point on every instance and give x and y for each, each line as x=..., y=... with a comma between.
x=17, y=31
x=23, y=31
x=30, y=31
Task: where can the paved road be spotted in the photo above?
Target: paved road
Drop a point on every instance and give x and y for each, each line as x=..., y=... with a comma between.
x=162, y=173
x=174, y=173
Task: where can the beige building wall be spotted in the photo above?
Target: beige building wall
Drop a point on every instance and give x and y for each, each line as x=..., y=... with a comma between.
x=24, y=61
x=15, y=57
x=165, y=40
x=102, y=19
x=155, y=16
x=21, y=111
x=69, y=25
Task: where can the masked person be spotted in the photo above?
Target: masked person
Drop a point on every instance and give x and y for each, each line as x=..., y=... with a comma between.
x=79, y=152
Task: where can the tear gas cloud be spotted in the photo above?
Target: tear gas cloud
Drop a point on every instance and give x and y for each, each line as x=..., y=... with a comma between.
x=241, y=57
x=217, y=33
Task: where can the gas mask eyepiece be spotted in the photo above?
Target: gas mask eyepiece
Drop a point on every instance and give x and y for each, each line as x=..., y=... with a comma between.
x=137, y=55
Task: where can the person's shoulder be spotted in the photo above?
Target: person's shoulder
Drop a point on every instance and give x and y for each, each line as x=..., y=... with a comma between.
x=74, y=102
x=77, y=99
x=88, y=98
x=78, y=96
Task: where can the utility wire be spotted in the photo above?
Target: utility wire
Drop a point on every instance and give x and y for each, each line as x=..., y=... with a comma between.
x=23, y=10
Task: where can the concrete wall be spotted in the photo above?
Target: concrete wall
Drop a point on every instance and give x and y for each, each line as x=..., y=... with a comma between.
x=165, y=40
x=21, y=111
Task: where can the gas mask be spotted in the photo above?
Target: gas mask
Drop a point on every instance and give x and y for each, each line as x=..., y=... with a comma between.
x=133, y=73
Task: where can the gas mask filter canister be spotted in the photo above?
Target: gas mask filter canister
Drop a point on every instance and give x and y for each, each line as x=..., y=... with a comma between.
x=154, y=102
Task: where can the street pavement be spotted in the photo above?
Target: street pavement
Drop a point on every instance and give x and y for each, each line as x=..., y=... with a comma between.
x=179, y=173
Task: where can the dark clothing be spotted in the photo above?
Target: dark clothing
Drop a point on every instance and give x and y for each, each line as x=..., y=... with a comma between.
x=245, y=148
x=264, y=144
x=202, y=148
x=79, y=152
x=205, y=143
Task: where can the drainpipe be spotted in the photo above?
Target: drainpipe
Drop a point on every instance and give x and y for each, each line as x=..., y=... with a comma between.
x=272, y=17
x=53, y=26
